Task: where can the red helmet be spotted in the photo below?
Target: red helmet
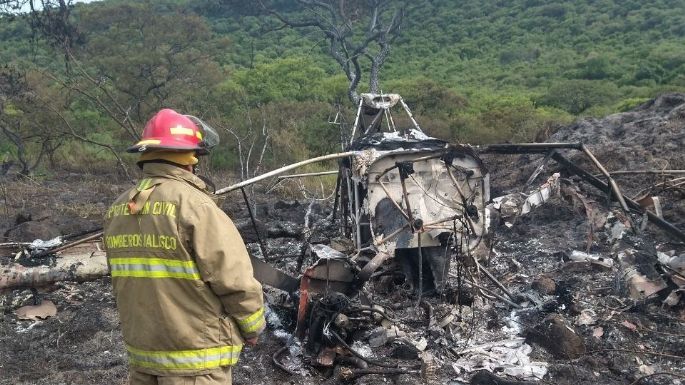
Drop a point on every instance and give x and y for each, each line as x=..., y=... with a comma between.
x=169, y=130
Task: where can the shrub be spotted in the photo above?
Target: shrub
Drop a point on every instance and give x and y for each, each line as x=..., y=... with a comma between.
x=576, y=96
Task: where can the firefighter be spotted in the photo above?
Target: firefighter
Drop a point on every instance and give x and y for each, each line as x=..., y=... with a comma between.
x=182, y=277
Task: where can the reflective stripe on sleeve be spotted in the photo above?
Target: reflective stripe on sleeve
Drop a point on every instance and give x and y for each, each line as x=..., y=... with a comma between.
x=140, y=267
x=199, y=359
x=252, y=323
x=144, y=184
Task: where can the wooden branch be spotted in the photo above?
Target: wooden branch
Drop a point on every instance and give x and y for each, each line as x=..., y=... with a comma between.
x=18, y=142
x=291, y=23
x=337, y=27
x=130, y=128
x=645, y=377
x=98, y=102
x=73, y=133
x=320, y=4
x=82, y=267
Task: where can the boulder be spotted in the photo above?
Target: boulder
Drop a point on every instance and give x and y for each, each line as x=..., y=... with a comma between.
x=558, y=337
x=32, y=230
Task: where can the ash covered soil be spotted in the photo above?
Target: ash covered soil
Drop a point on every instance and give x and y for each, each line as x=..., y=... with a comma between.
x=580, y=322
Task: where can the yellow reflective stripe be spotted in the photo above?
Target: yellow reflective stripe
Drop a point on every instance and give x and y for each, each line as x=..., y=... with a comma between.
x=257, y=326
x=153, y=274
x=253, y=322
x=252, y=317
x=207, y=365
x=157, y=261
x=198, y=134
x=140, y=267
x=185, y=359
x=180, y=130
x=144, y=184
x=148, y=141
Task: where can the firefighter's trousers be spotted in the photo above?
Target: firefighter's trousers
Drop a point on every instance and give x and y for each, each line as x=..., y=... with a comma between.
x=221, y=376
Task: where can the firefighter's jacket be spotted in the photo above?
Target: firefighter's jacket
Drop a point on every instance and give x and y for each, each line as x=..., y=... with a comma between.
x=182, y=277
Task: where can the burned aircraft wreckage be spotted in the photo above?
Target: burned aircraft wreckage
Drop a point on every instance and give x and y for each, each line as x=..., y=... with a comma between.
x=409, y=203
x=412, y=205
x=417, y=212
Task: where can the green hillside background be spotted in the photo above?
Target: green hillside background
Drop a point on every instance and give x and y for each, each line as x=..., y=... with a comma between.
x=472, y=71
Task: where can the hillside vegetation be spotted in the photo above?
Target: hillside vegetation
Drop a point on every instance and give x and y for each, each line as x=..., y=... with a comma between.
x=472, y=71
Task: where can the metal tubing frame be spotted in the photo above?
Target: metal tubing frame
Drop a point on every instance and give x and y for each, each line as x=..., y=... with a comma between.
x=655, y=172
x=612, y=183
x=516, y=148
x=284, y=169
x=337, y=199
x=387, y=193
x=406, y=202
x=375, y=119
x=262, y=246
x=357, y=219
x=463, y=198
x=411, y=116
x=350, y=208
x=356, y=120
x=667, y=226
x=322, y=173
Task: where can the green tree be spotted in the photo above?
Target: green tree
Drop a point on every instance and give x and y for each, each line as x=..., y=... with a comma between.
x=576, y=96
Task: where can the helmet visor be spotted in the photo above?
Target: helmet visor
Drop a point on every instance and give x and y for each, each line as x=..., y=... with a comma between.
x=210, y=138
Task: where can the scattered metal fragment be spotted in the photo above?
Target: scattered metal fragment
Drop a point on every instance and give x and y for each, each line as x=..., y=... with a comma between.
x=276, y=360
x=46, y=309
x=347, y=374
x=579, y=256
x=590, y=208
x=639, y=276
x=611, y=185
x=413, y=205
x=508, y=356
x=651, y=202
x=664, y=225
x=359, y=355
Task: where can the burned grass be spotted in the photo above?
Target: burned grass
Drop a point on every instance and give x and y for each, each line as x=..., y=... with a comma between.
x=587, y=299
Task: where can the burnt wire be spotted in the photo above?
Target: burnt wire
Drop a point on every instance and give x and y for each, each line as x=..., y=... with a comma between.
x=359, y=355
x=362, y=309
x=262, y=246
x=446, y=261
x=460, y=264
x=473, y=191
x=428, y=194
x=328, y=308
x=472, y=330
x=418, y=302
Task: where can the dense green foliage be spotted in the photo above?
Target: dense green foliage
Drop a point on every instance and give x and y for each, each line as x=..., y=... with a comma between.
x=472, y=71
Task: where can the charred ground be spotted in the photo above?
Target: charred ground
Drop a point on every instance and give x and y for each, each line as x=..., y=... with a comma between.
x=614, y=338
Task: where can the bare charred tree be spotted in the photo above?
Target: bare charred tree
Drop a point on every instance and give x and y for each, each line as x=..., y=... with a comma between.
x=49, y=20
x=252, y=144
x=32, y=142
x=355, y=30
x=104, y=74
x=37, y=124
